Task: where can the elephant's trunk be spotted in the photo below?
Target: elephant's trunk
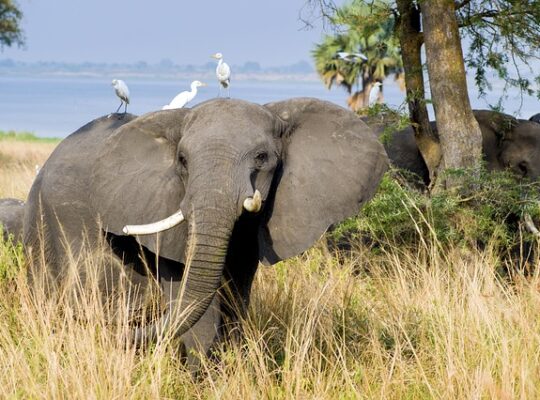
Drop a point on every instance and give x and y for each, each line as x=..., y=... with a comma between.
x=211, y=222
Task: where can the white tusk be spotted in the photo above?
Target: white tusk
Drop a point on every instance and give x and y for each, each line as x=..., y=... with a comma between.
x=253, y=204
x=155, y=227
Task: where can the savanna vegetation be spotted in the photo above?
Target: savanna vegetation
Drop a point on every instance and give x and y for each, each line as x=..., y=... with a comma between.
x=423, y=295
x=420, y=297
x=501, y=37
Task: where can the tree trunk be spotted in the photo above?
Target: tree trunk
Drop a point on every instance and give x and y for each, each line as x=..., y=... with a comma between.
x=367, y=84
x=459, y=133
x=411, y=41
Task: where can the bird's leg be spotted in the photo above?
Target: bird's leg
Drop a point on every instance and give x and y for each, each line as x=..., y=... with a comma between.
x=219, y=90
x=120, y=106
x=229, y=91
x=125, y=109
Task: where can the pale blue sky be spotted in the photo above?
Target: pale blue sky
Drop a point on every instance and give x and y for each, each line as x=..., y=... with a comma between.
x=187, y=32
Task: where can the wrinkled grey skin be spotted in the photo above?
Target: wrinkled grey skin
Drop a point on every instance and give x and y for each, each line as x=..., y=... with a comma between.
x=401, y=148
x=11, y=218
x=535, y=118
x=314, y=163
x=507, y=143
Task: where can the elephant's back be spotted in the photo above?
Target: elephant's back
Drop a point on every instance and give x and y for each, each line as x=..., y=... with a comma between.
x=57, y=204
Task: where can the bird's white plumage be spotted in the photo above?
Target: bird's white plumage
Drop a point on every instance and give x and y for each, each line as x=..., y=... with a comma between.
x=185, y=97
x=351, y=57
x=374, y=93
x=223, y=72
x=121, y=90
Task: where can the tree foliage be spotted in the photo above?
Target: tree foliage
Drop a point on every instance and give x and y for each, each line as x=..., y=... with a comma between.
x=10, y=19
x=504, y=37
x=376, y=41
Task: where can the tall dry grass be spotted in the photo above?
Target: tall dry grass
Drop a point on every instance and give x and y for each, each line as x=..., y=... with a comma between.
x=406, y=323
x=18, y=160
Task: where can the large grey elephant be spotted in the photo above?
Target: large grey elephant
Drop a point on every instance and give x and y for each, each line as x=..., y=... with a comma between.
x=252, y=183
x=535, y=118
x=508, y=143
x=11, y=218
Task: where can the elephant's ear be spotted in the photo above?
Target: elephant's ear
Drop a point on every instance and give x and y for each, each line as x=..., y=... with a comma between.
x=135, y=179
x=332, y=165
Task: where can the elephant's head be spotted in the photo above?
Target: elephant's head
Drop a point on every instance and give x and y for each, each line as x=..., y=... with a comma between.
x=297, y=166
x=520, y=149
x=510, y=143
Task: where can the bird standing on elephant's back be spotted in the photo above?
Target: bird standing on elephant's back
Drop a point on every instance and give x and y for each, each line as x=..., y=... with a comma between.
x=223, y=74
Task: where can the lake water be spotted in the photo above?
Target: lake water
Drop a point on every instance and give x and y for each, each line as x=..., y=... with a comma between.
x=58, y=106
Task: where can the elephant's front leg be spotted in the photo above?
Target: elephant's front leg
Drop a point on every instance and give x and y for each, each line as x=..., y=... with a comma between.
x=197, y=341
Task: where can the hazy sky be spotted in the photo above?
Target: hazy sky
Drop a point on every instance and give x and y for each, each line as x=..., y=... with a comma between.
x=185, y=31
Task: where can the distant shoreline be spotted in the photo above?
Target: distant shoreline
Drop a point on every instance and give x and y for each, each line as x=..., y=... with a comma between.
x=300, y=71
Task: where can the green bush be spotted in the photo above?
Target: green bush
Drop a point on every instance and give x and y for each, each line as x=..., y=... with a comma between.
x=487, y=209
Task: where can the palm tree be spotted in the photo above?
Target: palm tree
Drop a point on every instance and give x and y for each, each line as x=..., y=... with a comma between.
x=375, y=41
x=332, y=69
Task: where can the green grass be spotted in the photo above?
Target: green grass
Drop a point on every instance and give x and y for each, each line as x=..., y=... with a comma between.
x=26, y=137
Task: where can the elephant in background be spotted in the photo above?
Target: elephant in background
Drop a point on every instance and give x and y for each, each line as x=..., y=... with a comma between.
x=507, y=143
x=535, y=118
x=11, y=218
x=401, y=147
x=253, y=183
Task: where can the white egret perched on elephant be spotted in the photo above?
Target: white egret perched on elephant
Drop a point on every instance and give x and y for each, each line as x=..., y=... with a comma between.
x=223, y=74
x=122, y=91
x=185, y=97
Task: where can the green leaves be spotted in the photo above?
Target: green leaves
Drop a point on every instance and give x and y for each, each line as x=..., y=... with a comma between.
x=368, y=30
x=10, y=19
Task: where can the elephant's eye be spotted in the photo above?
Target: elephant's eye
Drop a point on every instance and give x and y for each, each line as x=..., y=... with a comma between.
x=261, y=158
x=182, y=160
x=523, y=168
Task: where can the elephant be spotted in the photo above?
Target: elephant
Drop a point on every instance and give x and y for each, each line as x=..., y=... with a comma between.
x=225, y=185
x=507, y=143
x=401, y=148
x=535, y=118
x=11, y=218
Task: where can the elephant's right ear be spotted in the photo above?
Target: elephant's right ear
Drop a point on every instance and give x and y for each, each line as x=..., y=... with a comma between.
x=135, y=179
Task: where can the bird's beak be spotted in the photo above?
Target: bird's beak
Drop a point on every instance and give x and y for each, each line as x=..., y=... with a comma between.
x=213, y=56
x=203, y=84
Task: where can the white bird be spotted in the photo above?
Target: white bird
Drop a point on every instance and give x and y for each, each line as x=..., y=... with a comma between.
x=351, y=57
x=374, y=93
x=185, y=97
x=122, y=91
x=223, y=73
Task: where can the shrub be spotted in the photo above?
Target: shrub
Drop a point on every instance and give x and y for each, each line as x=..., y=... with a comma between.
x=487, y=209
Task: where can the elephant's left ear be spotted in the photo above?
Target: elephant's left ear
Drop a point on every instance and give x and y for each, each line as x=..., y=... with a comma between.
x=332, y=165
x=136, y=182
